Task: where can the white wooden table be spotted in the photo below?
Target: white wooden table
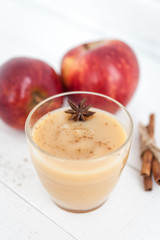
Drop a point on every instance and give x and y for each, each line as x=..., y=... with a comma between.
x=46, y=29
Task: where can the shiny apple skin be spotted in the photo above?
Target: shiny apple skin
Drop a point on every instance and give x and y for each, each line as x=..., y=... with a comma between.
x=109, y=67
x=23, y=83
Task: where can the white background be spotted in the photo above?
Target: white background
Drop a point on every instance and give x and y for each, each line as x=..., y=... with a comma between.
x=46, y=29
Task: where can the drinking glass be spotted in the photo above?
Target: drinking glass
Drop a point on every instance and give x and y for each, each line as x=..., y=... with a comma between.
x=79, y=185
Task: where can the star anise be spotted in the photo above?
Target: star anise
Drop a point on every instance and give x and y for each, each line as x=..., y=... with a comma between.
x=79, y=112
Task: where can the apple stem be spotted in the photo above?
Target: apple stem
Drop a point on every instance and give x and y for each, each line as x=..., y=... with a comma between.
x=86, y=46
x=37, y=98
x=92, y=45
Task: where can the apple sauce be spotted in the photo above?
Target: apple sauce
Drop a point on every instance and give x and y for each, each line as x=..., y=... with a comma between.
x=79, y=163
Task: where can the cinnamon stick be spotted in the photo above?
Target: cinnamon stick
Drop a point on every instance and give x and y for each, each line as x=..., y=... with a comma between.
x=156, y=170
x=150, y=164
x=155, y=163
x=147, y=183
x=146, y=163
x=147, y=155
x=150, y=127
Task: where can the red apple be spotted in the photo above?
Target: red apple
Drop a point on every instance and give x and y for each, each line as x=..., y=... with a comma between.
x=24, y=82
x=109, y=67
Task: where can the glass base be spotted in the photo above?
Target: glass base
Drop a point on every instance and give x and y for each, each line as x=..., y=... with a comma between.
x=80, y=211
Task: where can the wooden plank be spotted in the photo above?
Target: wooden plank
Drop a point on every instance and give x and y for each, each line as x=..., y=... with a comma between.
x=19, y=220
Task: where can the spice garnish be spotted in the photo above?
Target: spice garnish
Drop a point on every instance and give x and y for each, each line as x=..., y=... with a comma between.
x=79, y=112
x=150, y=155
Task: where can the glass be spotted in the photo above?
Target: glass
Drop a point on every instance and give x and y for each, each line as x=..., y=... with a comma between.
x=79, y=185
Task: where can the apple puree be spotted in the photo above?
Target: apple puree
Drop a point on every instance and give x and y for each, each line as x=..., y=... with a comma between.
x=97, y=136
x=71, y=172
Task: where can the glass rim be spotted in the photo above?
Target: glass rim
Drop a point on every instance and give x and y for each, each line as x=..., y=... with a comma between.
x=28, y=135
